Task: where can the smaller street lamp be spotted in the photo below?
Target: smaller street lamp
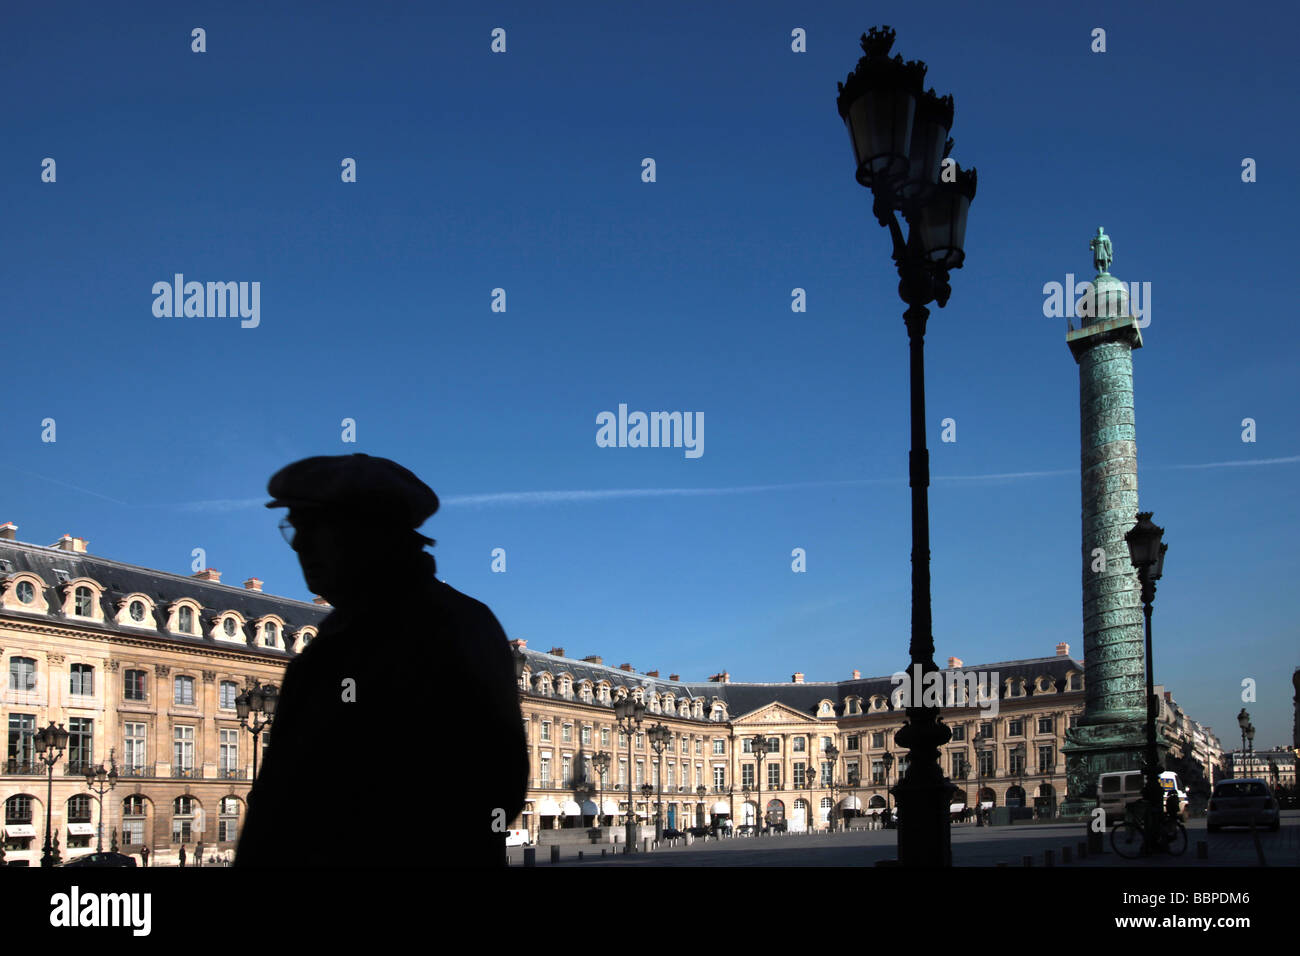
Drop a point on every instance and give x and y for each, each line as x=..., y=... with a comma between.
x=100, y=782
x=628, y=714
x=259, y=701
x=832, y=755
x=49, y=743
x=600, y=761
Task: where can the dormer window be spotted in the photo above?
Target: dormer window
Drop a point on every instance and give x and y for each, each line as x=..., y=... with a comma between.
x=83, y=605
x=230, y=626
x=268, y=634
x=26, y=593
x=185, y=619
x=137, y=611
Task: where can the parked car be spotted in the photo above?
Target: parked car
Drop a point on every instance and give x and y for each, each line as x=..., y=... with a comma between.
x=698, y=832
x=670, y=833
x=1241, y=802
x=102, y=859
x=518, y=838
x=780, y=826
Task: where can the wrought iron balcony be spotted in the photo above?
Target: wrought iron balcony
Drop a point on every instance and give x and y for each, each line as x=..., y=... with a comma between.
x=231, y=773
x=24, y=767
x=138, y=770
x=193, y=773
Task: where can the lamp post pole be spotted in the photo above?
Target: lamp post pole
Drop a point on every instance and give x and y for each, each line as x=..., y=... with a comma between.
x=50, y=742
x=100, y=782
x=601, y=762
x=900, y=143
x=760, y=752
x=660, y=737
x=832, y=755
x=1148, y=555
x=628, y=714
x=888, y=758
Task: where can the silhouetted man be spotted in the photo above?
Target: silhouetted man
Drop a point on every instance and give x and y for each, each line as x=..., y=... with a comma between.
x=366, y=765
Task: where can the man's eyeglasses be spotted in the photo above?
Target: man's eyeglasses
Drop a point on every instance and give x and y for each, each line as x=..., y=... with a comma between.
x=287, y=530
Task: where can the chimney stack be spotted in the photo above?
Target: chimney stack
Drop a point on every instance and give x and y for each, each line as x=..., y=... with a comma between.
x=797, y=677
x=253, y=584
x=722, y=678
x=857, y=674
x=207, y=574
x=317, y=599
x=653, y=673
x=8, y=531
x=557, y=652
x=69, y=543
x=954, y=662
x=625, y=667
x=593, y=659
x=675, y=677
x=1062, y=649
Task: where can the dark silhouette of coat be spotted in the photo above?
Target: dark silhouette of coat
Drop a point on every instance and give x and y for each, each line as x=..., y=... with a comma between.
x=427, y=764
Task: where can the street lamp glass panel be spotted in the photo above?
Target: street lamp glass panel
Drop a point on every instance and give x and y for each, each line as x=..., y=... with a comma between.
x=941, y=223
x=880, y=130
x=255, y=700
x=929, y=137
x=60, y=737
x=241, y=706
x=1144, y=541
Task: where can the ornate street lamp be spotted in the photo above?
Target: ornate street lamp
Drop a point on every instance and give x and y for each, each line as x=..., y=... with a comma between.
x=628, y=713
x=600, y=761
x=100, y=782
x=888, y=758
x=832, y=755
x=702, y=792
x=810, y=781
x=1148, y=555
x=49, y=743
x=660, y=737
x=258, y=700
x=899, y=134
x=759, y=746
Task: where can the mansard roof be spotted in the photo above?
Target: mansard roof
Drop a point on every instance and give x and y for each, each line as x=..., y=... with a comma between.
x=118, y=580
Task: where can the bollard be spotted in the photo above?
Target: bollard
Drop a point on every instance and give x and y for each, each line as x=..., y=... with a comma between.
x=579, y=856
x=602, y=853
x=645, y=845
x=555, y=853
x=1047, y=858
x=1202, y=850
x=1065, y=856
x=530, y=856
x=1028, y=861
x=1083, y=851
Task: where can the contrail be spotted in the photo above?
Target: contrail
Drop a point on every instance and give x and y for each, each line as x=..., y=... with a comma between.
x=1254, y=461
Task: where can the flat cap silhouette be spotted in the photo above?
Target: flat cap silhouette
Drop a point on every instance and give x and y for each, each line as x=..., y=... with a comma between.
x=377, y=486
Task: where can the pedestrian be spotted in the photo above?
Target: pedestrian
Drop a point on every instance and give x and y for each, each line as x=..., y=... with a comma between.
x=1171, y=805
x=144, y=855
x=198, y=854
x=352, y=521
x=182, y=854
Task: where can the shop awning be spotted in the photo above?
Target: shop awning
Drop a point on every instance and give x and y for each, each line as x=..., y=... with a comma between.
x=986, y=805
x=589, y=808
x=956, y=807
x=571, y=808
x=850, y=803
x=546, y=807
x=722, y=807
x=81, y=829
x=611, y=808
x=20, y=830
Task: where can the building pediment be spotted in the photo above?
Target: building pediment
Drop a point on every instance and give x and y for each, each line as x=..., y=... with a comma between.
x=773, y=713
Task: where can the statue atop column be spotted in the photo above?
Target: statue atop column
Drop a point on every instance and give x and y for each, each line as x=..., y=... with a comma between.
x=1101, y=251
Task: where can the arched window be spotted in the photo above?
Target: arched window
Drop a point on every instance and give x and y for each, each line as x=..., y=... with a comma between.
x=26, y=593
x=228, y=821
x=230, y=626
x=133, y=810
x=183, y=808
x=83, y=602
x=185, y=619
x=137, y=611
x=269, y=632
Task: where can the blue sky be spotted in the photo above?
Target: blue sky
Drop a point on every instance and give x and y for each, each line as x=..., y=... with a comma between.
x=522, y=171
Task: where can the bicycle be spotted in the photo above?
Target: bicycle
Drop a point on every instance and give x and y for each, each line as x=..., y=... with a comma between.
x=1129, y=840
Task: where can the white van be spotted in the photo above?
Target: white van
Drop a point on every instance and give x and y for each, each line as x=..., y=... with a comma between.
x=517, y=838
x=1115, y=791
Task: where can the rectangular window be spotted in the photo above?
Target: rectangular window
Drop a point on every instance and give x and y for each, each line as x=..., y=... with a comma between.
x=22, y=742
x=545, y=771
x=640, y=773
x=851, y=771
x=567, y=734
x=546, y=730
x=719, y=746
x=133, y=686
x=826, y=744
x=133, y=746
x=877, y=740
x=1046, y=725
x=228, y=754
x=747, y=775
x=640, y=741
x=877, y=772
x=81, y=737
x=228, y=695
x=746, y=745
x=851, y=742
x=604, y=736
x=22, y=673
x=183, y=749
x=774, y=745
x=774, y=776
x=227, y=829
x=799, y=745
x=826, y=773
x=566, y=767
x=81, y=680
x=986, y=730
x=1015, y=728
x=184, y=691
x=622, y=740
x=182, y=829
x=986, y=762
x=699, y=745
x=958, y=732
x=1046, y=758
x=133, y=831
x=586, y=736
x=1073, y=721
x=958, y=764
x=799, y=781
x=622, y=772
x=719, y=776
x=654, y=775
x=1017, y=763
x=669, y=782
